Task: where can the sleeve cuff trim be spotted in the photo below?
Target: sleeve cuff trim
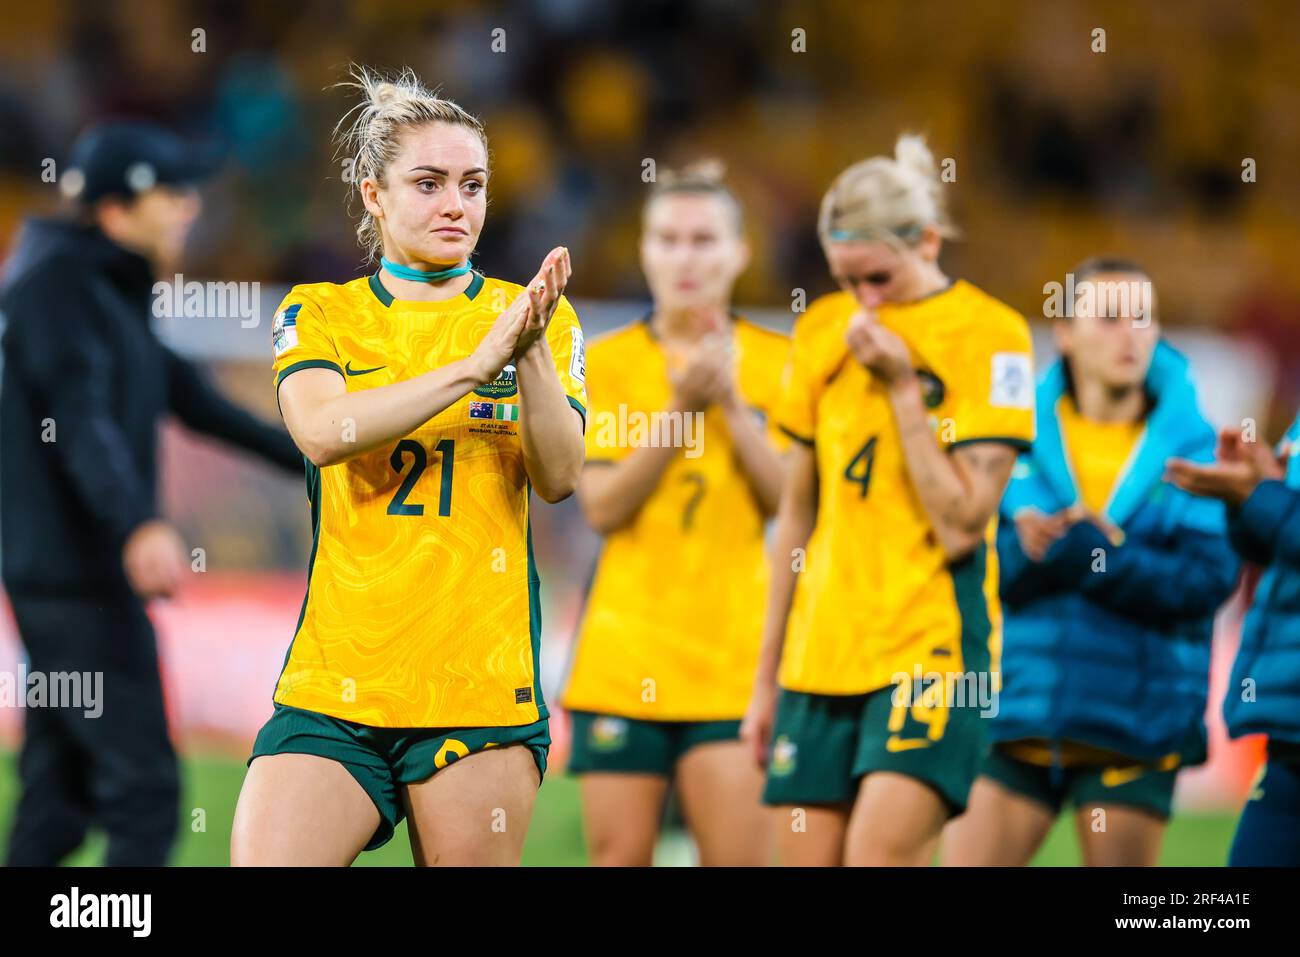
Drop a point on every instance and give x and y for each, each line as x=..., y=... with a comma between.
x=1017, y=443
x=306, y=364
x=582, y=411
x=797, y=437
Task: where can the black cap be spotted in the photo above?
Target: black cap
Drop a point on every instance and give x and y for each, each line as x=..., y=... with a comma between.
x=125, y=158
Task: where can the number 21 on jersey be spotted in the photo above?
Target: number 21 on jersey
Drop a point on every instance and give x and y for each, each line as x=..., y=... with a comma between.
x=419, y=462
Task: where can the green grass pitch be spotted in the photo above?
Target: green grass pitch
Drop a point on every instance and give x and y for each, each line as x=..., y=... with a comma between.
x=555, y=836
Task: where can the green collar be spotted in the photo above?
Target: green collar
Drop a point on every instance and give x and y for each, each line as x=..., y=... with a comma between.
x=386, y=297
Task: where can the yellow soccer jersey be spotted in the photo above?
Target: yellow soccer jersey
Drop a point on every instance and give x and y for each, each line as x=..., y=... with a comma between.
x=809, y=328
x=675, y=613
x=422, y=599
x=1098, y=452
x=877, y=596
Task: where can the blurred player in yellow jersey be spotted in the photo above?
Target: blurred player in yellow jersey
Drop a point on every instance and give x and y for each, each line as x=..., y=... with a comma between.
x=428, y=401
x=681, y=476
x=908, y=397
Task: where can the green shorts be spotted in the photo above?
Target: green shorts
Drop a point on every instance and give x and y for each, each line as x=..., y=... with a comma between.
x=823, y=745
x=1143, y=786
x=603, y=742
x=380, y=759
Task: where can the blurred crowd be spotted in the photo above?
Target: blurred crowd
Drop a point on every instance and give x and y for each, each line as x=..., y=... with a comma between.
x=1059, y=147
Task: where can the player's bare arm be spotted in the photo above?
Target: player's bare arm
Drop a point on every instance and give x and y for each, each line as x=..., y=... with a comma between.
x=612, y=493
x=959, y=491
x=550, y=429
x=759, y=462
x=758, y=459
x=794, y=524
x=331, y=424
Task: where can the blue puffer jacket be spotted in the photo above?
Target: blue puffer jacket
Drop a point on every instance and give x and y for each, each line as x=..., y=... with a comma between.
x=1264, y=693
x=1117, y=659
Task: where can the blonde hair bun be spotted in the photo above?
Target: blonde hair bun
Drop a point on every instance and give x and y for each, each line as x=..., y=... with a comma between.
x=705, y=176
x=886, y=198
x=383, y=94
x=705, y=173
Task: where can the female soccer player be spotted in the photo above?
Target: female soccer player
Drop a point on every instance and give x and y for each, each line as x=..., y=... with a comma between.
x=670, y=637
x=428, y=400
x=908, y=398
x=1262, y=491
x=1110, y=582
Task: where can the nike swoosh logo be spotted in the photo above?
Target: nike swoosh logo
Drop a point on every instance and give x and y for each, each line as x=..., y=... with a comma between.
x=351, y=371
x=896, y=744
x=1115, y=777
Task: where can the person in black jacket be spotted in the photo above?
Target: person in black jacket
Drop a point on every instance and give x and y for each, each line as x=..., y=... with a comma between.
x=82, y=544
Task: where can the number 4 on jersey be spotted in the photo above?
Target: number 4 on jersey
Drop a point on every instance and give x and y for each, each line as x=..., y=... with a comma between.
x=862, y=463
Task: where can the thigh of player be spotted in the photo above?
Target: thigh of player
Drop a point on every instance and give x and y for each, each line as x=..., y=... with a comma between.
x=624, y=766
x=1013, y=805
x=721, y=788
x=475, y=811
x=810, y=780
x=300, y=810
x=916, y=766
x=1122, y=814
x=621, y=813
